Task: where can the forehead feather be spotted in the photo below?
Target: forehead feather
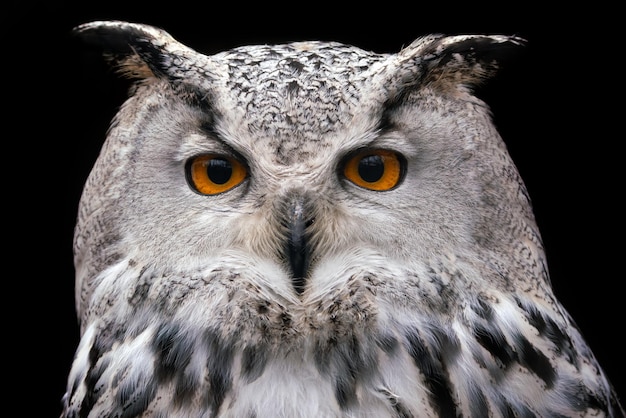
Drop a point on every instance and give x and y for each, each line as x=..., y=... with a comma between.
x=296, y=92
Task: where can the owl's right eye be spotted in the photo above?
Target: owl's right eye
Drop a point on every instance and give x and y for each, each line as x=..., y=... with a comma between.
x=213, y=174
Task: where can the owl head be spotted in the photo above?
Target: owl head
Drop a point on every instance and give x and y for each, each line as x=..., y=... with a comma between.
x=313, y=229
x=304, y=158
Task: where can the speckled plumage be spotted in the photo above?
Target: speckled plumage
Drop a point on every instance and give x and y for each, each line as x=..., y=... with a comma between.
x=299, y=291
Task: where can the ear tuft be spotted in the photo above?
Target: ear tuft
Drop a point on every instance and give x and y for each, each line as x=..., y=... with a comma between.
x=448, y=62
x=137, y=51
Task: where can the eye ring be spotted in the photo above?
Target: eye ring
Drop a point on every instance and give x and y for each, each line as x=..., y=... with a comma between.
x=375, y=169
x=211, y=174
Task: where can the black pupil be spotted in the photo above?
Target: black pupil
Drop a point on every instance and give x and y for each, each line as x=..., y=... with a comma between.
x=219, y=170
x=371, y=168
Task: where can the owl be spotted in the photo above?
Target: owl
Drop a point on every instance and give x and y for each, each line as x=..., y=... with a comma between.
x=310, y=229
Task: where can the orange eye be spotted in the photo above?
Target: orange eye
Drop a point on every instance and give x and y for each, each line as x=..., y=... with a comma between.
x=379, y=170
x=213, y=174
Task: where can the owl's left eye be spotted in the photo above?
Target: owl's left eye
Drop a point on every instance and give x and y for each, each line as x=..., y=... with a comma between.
x=212, y=174
x=378, y=170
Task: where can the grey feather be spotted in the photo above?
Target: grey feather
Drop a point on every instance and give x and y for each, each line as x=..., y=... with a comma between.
x=315, y=230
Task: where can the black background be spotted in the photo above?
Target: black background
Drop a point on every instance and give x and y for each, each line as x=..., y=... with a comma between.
x=553, y=107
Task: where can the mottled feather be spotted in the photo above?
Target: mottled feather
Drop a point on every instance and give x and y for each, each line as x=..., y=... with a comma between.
x=300, y=291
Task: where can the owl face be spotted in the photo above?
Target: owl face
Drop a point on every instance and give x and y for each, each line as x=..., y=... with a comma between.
x=311, y=229
x=300, y=156
x=290, y=165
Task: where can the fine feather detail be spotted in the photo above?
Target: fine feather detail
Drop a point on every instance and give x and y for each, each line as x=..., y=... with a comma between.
x=299, y=292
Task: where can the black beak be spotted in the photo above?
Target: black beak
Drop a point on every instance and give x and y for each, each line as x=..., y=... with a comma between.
x=297, y=250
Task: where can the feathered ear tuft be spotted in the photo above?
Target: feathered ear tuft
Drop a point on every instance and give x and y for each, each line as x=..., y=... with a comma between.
x=137, y=51
x=447, y=62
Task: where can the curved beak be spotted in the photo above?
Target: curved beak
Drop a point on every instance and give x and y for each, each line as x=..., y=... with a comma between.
x=297, y=251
